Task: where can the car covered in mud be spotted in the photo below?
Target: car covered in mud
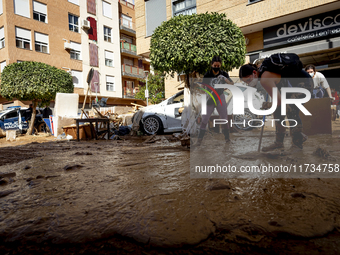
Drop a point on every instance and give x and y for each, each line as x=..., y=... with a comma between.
x=13, y=118
x=165, y=118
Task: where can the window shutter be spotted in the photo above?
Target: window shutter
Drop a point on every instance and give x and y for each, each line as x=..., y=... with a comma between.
x=2, y=33
x=92, y=32
x=22, y=7
x=39, y=7
x=93, y=55
x=91, y=6
x=23, y=33
x=107, y=12
x=40, y=37
x=95, y=79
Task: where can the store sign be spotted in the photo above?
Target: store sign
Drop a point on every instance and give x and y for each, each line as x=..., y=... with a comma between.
x=311, y=28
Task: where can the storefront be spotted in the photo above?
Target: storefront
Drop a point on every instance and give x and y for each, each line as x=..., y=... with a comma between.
x=316, y=39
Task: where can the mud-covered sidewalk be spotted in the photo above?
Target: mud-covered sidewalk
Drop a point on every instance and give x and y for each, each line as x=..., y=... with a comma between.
x=132, y=197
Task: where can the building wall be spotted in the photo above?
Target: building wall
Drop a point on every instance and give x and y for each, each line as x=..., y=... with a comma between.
x=112, y=46
x=56, y=29
x=251, y=18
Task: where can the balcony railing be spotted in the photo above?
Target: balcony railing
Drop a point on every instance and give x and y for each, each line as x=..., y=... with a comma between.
x=127, y=3
x=128, y=47
x=127, y=24
x=133, y=71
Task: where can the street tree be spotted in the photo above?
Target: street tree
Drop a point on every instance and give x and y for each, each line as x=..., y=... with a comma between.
x=187, y=43
x=155, y=88
x=36, y=82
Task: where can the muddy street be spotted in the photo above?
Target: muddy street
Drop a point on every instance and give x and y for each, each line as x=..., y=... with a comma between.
x=132, y=197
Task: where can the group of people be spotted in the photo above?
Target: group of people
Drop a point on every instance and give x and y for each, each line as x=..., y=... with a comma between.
x=276, y=71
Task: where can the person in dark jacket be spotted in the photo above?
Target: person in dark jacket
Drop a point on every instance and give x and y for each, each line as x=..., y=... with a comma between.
x=209, y=78
x=270, y=78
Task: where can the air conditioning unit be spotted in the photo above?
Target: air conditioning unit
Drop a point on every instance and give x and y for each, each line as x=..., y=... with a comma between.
x=85, y=24
x=67, y=46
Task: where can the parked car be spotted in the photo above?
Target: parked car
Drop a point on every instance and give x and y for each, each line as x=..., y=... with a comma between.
x=164, y=117
x=13, y=118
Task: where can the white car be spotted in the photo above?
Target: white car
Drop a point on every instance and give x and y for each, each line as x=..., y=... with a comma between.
x=164, y=117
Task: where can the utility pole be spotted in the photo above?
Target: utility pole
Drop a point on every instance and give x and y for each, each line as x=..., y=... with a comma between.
x=146, y=90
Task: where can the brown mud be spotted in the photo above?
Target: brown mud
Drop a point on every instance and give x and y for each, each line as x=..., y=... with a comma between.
x=132, y=197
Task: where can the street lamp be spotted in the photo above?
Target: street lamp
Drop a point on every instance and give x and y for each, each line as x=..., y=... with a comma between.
x=147, y=91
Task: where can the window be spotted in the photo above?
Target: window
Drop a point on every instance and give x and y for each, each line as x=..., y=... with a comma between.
x=77, y=78
x=110, y=83
x=1, y=10
x=109, y=58
x=75, y=53
x=178, y=99
x=155, y=14
x=74, y=1
x=253, y=1
x=127, y=21
x=22, y=8
x=184, y=7
x=23, y=38
x=107, y=12
x=73, y=23
x=41, y=42
x=2, y=38
x=2, y=65
x=39, y=12
x=107, y=34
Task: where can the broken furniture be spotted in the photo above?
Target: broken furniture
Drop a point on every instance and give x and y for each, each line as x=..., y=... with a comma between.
x=96, y=121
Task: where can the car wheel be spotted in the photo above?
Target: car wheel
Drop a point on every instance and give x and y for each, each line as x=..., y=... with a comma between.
x=240, y=118
x=152, y=125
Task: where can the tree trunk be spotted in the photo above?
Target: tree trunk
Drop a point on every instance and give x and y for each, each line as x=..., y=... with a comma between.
x=187, y=80
x=31, y=127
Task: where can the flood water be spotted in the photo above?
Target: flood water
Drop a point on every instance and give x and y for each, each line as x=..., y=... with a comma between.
x=80, y=192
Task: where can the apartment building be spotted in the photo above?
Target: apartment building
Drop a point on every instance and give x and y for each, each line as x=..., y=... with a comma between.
x=36, y=31
x=99, y=28
x=309, y=28
x=133, y=65
x=75, y=35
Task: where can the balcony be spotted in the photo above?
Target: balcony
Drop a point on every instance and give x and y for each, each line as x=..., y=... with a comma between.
x=132, y=71
x=127, y=26
x=127, y=3
x=128, y=49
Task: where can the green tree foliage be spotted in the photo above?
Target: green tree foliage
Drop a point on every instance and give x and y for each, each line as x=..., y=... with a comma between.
x=188, y=43
x=34, y=81
x=155, y=87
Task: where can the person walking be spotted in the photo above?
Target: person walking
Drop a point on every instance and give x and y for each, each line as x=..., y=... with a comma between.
x=281, y=70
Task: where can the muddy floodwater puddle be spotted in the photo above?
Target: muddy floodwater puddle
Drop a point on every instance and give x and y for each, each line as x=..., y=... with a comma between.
x=81, y=192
